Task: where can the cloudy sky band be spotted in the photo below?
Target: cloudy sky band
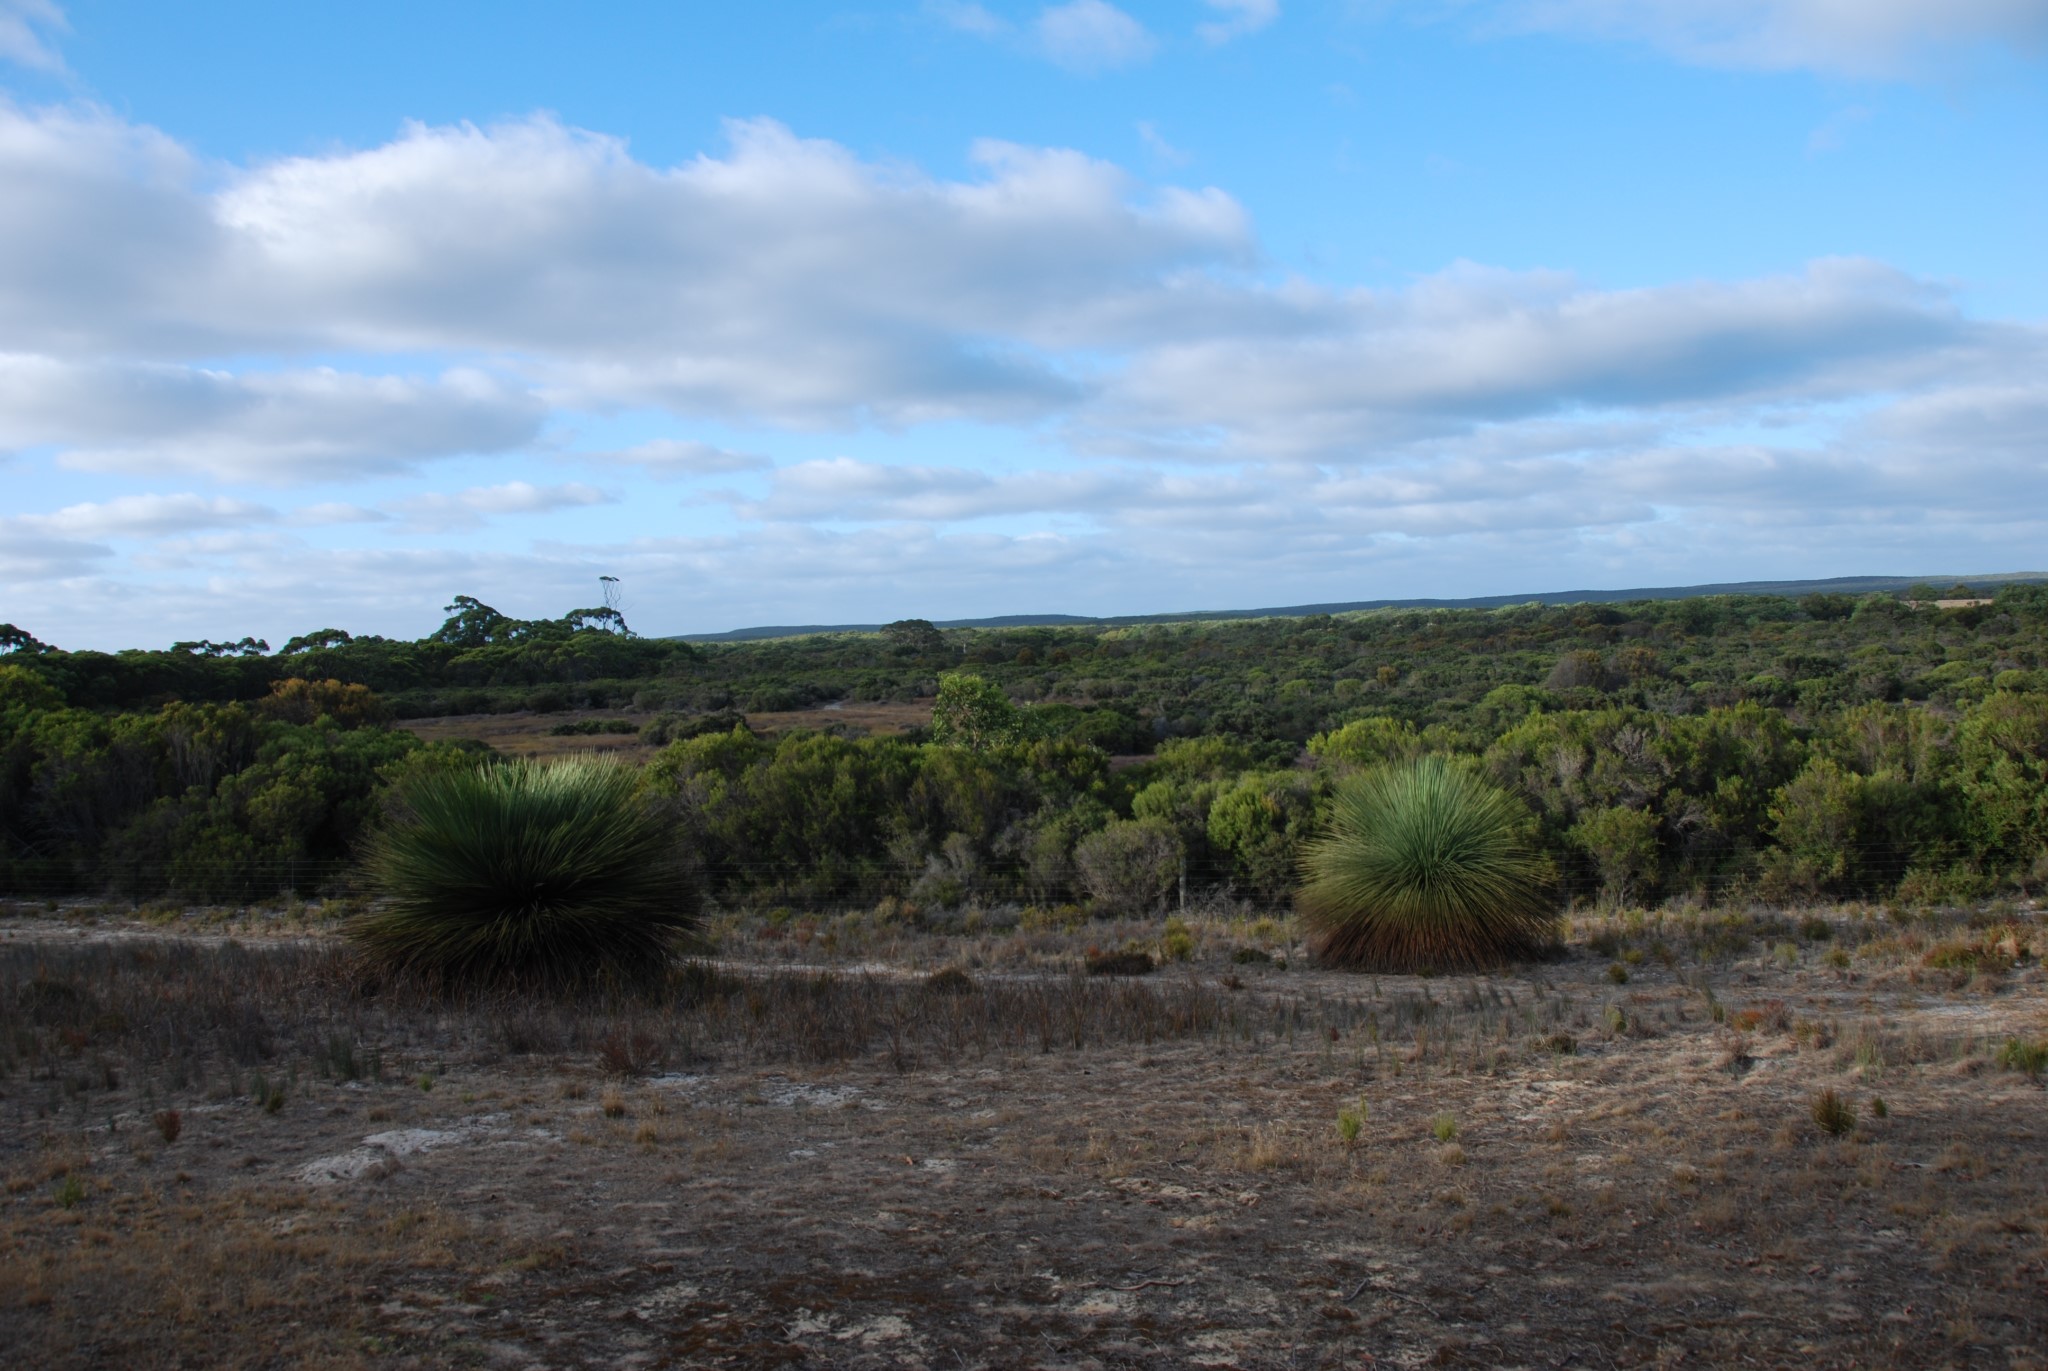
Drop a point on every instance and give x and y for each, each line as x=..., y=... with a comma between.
x=786, y=378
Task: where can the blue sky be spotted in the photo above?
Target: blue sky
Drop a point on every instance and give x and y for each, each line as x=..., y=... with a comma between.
x=320, y=315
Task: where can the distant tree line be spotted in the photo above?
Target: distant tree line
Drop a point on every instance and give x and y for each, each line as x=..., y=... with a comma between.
x=1722, y=747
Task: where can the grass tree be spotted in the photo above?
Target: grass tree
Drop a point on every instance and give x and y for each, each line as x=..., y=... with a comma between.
x=526, y=874
x=1426, y=865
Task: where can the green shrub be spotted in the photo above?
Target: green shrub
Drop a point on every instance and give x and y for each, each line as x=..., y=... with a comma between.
x=1177, y=943
x=2031, y=1058
x=1623, y=845
x=526, y=873
x=1426, y=865
x=1131, y=866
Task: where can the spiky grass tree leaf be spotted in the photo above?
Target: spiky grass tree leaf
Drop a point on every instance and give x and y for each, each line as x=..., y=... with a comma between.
x=1426, y=865
x=526, y=874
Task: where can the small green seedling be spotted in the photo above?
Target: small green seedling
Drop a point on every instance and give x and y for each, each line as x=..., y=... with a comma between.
x=1350, y=1122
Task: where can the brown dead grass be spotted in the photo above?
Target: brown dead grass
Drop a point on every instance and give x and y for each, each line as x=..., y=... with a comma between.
x=777, y=1168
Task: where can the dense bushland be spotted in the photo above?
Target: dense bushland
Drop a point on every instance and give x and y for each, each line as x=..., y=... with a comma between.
x=1714, y=747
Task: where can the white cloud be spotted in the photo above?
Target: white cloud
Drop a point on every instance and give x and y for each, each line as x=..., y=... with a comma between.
x=844, y=490
x=25, y=26
x=2003, y=422
x=679, y=458
x=1386, y=440
x=150, y=516
x=1091, y=36
x=28, y=553
x=72, y=541
x=787, y=281
x=967, y=17
x=1238, y=18
x=332, y=512
x=1949, y=481
x=1470, y=346
x=1865, y=38
x=264, y=427
x=791, y=283
x=439, y=511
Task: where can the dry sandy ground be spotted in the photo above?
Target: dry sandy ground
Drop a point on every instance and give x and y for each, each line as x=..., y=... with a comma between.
x=1551, y=1169
x=525, y=734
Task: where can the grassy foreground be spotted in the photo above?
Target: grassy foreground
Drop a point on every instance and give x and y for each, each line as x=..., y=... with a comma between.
x=217, y=1150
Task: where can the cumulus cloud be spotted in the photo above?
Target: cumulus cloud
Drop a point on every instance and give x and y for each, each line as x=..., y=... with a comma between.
x=264, y=427
x=328, y=513
x=1865, y=38
x=849, y=491
x=1471, y=346
x=150, y=516
x=853, y=541
x=787, y=281
x=2006, y=423
x=439, y=511
x=679, y=459
x=1945, y=479
x=25, y=30
x=1391, y=439
x=30, y=553
x=1236, y=18
x=73, y=540
x=1091, y=36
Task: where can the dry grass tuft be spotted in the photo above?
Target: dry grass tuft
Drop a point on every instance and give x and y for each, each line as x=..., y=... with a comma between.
x=1832, y=1113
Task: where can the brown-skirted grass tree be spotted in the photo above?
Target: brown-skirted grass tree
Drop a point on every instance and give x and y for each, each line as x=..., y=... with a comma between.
x=1426, y=866
x=554, y=874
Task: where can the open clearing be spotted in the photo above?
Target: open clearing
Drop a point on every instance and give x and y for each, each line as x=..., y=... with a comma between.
x=527, y=734
x=780, y=1163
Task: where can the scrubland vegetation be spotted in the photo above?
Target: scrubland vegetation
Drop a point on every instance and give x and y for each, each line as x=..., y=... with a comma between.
x=1718, y=749
x=1643, y=985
